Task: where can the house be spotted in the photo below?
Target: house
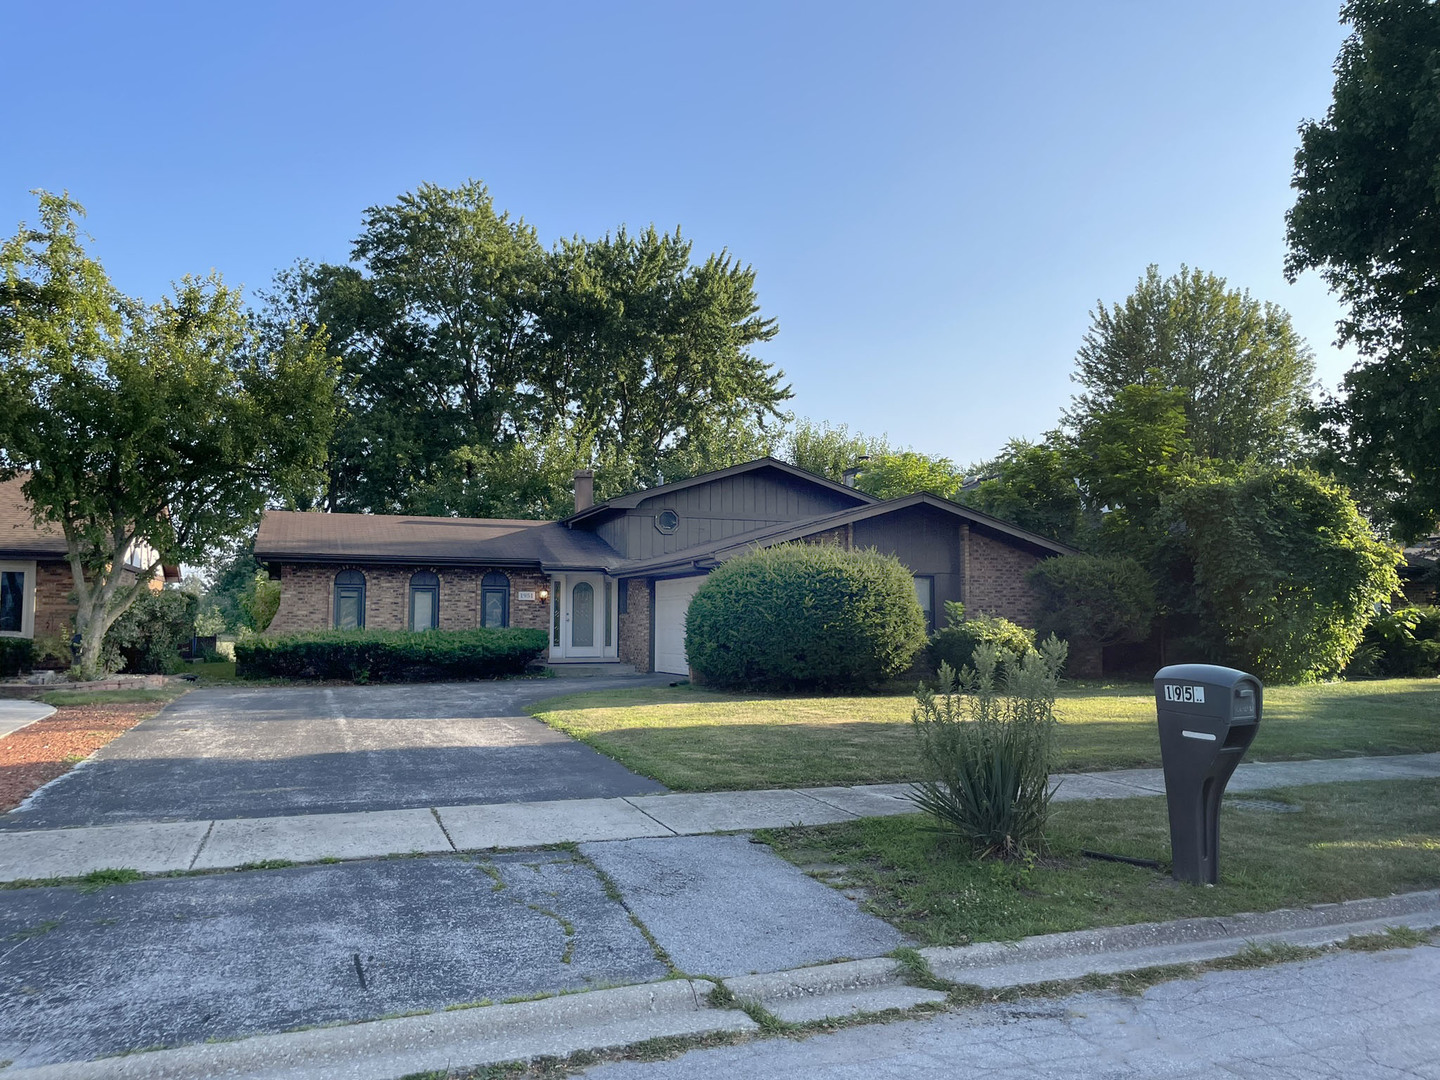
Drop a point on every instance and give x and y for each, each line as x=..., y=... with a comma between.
x=35, y=579
x=1420, y=572
x=613, y=581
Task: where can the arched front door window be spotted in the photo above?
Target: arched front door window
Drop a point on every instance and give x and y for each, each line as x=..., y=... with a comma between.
x=349, y=600
x=495, y=599
x=582, y=615
x=424, y=601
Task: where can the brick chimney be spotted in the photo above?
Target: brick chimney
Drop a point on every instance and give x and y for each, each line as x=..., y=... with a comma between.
x=584, y=489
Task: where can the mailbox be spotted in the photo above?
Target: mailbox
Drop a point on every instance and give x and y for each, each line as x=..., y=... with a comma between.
x=1208, y=718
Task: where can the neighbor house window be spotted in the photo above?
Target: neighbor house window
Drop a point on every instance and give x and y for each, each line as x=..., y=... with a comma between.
x=495, y=599
x=349, y=600
x=925, y=593
x=12, y=602
x=424, y=601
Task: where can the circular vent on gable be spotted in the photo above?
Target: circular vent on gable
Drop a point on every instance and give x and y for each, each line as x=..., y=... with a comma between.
x=667, y=521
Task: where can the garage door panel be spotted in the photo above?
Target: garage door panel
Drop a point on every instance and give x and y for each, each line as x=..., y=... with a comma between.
x=672, y=601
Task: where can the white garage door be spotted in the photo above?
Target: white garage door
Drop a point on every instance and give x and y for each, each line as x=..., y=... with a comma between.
x=672, y=600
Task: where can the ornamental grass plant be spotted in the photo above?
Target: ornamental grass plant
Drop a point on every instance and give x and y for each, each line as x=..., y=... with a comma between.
x=987, y=745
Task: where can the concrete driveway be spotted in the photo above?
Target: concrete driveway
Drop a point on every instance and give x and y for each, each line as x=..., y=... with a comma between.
x=293, y=750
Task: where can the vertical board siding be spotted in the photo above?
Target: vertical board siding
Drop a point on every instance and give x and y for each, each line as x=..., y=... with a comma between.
x=716, y=511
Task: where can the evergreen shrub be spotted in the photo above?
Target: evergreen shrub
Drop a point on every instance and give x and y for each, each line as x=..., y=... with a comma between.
x=391, y=655
x=805, y=617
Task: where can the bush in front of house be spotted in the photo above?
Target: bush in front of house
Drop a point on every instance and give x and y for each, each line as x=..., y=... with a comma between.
x=805, y=617
x=148, y=637
x=987, y=744
x=1399, y=643
x=1102, y=599
x=955, y=645
x=17, y=656
x=391, y=655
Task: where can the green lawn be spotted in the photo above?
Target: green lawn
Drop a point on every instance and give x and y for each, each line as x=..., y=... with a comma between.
x=1342, y=842
x=698, y=740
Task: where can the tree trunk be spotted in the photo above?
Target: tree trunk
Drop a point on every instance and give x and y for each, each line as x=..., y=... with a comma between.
x=87, y=663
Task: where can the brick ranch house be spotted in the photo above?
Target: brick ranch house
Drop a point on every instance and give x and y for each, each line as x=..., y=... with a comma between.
x=36, y=585
x=613, y=581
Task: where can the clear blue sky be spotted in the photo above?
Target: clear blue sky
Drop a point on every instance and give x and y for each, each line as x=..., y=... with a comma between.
x=934, y=195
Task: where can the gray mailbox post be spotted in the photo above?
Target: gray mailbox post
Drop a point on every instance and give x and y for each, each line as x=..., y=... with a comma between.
x=1208, y=718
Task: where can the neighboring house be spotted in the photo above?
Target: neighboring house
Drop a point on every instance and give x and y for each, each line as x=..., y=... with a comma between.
x=614, y=580
x=35, y=579
x=1420, y=572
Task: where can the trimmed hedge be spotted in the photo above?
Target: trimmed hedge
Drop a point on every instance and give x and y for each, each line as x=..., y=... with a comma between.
x=16, y=656
x=391, y=655
x=805, y=616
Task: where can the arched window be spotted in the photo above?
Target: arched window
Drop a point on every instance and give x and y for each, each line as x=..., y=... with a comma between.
x=424, y=601
x=349, y=600
x=495, y=599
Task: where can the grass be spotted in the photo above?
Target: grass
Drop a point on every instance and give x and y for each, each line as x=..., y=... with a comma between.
x=1344, y=842
x=212, y=671
x=692, y=739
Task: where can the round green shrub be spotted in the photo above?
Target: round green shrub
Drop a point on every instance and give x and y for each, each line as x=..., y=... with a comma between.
x=956, y=643
x=805, y=617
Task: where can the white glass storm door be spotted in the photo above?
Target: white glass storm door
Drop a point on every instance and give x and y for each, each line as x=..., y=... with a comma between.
x=583, y=615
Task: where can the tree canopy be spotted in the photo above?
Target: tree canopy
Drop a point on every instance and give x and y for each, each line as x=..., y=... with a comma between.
x=146, y=433
x=1242, y=372
x=1367, y=218
x=480, y=369
x=1033, y=485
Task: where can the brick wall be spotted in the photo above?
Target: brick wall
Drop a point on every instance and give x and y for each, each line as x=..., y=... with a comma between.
x=54, y=608
x=839, y=537
x=995, y=582
x=307, y=597
x=634, y=638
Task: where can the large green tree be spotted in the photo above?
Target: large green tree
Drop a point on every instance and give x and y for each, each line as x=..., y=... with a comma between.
x=1367, y=217
x=829, y=450
x=1286, y=571
x=148, y=434
x=1035, y=486
x=1243, y=373
x=906, y=472
x=481, y=369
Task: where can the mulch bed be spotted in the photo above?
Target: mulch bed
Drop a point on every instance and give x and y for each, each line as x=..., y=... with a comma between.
x=48, y=748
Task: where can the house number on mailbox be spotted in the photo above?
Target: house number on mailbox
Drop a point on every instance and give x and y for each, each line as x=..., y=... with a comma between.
x=1192, y=694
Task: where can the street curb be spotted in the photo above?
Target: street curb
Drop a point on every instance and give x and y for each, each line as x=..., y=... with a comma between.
x=386, y=1049
x=821, y=980
x=597, y=1019
x=1051, y=957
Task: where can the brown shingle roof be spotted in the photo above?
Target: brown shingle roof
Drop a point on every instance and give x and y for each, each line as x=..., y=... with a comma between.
x=20, y=537
x=374, y=537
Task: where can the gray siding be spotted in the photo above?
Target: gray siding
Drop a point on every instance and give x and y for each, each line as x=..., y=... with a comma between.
x=716, y=511
x=925, y=540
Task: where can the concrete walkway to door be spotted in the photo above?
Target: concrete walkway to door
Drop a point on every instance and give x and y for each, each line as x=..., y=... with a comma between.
x=223, y=843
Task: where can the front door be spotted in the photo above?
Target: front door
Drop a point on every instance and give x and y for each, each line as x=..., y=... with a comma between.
x=584, y=613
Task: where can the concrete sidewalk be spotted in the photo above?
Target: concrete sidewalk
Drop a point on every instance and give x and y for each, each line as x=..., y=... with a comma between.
x=225, y=843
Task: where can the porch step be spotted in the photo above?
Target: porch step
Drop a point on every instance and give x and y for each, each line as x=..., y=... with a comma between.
x=563, y=669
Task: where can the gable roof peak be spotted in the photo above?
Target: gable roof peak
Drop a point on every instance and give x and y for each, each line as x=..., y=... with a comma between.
x=632, y=499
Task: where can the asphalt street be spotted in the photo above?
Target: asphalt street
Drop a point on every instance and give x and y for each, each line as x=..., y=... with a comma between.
x=262, y=752
x=1347, y=1016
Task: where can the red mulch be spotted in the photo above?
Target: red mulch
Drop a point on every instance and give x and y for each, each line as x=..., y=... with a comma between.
x=37, y=754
